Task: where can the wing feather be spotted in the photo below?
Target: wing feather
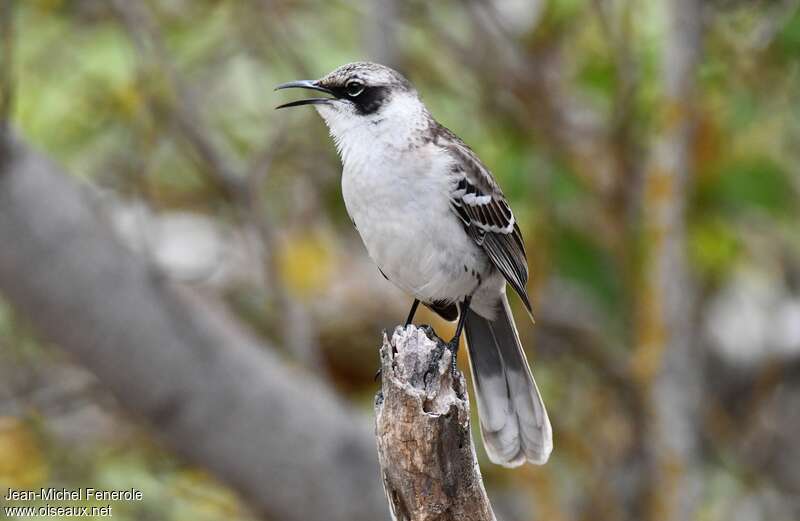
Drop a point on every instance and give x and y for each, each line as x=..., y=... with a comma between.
x=486, y=215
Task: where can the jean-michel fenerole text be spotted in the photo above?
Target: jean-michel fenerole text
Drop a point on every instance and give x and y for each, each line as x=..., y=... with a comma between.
x=78, y=494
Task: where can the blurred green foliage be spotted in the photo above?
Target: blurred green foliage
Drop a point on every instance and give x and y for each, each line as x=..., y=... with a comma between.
x=89, y=96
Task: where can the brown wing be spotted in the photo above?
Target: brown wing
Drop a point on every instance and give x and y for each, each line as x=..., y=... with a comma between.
x=486, y=215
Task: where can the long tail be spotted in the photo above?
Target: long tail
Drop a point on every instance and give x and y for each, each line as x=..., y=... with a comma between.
x=514, y=422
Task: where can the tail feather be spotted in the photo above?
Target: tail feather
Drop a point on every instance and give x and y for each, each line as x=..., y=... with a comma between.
x=514, y=423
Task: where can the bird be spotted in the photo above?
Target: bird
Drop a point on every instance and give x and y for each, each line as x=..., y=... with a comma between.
x=435, y=221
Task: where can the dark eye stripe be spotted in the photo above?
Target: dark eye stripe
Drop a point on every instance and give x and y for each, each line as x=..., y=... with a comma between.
x=367, y=102
x=372, y=99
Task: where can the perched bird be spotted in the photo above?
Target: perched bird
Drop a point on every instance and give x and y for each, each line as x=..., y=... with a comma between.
x=438, y=226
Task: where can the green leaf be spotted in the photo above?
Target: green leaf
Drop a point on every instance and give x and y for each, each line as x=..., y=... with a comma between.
x=788, y=40
x=754, y=184
x=581, y=259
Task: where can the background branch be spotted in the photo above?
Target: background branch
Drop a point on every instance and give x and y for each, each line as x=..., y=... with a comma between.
x=241, y=186
x=665, y=361
x=212, y=392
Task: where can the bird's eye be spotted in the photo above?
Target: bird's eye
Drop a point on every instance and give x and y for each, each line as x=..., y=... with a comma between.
x=354, y=88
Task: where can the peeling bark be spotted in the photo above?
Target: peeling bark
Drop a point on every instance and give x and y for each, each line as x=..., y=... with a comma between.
x=428, y=462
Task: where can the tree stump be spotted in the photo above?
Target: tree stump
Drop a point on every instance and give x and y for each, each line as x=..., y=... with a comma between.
x=427, y=458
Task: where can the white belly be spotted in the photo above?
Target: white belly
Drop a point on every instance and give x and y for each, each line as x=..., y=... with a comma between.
x=410, y=232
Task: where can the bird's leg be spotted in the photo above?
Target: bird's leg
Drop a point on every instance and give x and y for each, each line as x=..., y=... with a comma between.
x=412, y=312
x=462, y=317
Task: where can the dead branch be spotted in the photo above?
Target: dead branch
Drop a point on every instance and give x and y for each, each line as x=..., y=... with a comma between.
x=426, y=453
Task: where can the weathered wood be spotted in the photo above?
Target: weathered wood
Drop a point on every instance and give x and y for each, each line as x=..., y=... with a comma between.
x=425, y=449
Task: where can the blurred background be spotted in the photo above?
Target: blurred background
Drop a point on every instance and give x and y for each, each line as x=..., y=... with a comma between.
x=650, y=150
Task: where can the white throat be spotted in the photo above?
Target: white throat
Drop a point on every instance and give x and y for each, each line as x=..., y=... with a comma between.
x=392, y=129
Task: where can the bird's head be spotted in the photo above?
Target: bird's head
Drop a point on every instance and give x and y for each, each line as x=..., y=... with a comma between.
x=361, y=94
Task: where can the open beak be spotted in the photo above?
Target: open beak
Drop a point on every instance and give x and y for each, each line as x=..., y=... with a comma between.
x=304, y=84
